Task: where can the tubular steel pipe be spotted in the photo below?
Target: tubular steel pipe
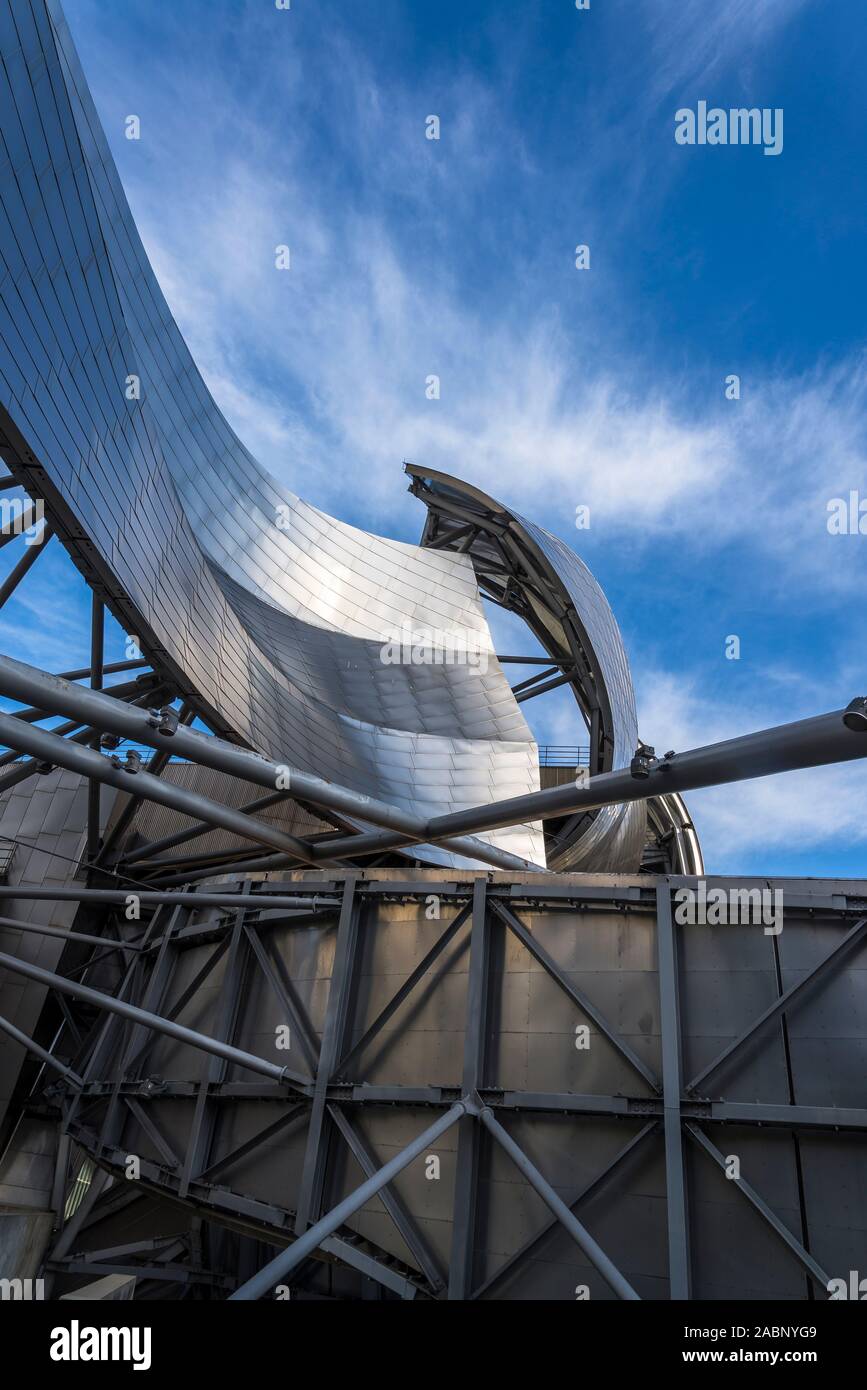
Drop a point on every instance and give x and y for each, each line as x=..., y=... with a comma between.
x=156, y=767
x=84, y=672
x=148, y=898
x=289, y=1259
x=12, y=924
x=117, y=692
x=94, y=786
x=50, y=1061
x=18, y=681
x=811, y=742
x=24, y=565
x=149, y=1020
x=171, y=841
x=581, y=1236
x=47, y=747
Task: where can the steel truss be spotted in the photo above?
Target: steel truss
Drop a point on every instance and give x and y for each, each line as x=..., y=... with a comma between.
x=106, y=1036
x=109, y=1082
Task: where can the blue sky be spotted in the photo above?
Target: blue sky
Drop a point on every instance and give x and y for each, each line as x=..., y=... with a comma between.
x=603, y=387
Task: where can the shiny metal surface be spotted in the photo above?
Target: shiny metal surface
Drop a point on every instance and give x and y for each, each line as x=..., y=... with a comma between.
x=561, y=601
x=271, y=612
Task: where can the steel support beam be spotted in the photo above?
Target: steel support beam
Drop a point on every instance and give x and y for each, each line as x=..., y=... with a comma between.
x=370, y=1267
x=151, y=897
x=464, y=1213
x=161, y=1025
x=84, y=673
x=94, y=789
x=62, y=934
x=67, y=698
x=155, y=847
x=530, y=692
x=404, y=991
x=535, y=680
x=535, y=948
x=791, y=1242
x=283, y=1264
x=284, y=1121
x=849, y=942
x=24, y=565
x=44, y=1056
x=407, y=1228
x=47, y=747
x=333, y=1035
x=675, y=1173
x=581, y=1236
x=156, y=768
x=204, y=1115
x=808, y=743
x=593, y=1186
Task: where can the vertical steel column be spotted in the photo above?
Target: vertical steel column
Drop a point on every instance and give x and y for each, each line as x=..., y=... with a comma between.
x=595, y=741
x=675, y=1176
x=94, y=788
x=469, y=1133
x=202, y=1128
x=333, y=1033
x=58, y=1187
x=120, y=1040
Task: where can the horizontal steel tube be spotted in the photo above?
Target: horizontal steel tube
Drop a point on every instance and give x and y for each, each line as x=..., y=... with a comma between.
x=47, y=747
x=85, y=672
x=18, y=681
x=12, y=924
x=807, y=743
x=117, y=692
x=148, y=898
x=277, y=1269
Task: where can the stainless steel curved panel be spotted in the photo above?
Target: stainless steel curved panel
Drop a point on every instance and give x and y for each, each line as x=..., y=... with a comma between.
x=273, y=612
x=555, y=591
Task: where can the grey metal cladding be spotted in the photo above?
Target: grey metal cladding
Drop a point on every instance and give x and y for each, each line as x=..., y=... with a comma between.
x=273, y=611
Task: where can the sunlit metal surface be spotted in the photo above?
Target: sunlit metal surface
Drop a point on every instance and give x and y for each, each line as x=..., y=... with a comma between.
x=532, y=572
x=271, y=612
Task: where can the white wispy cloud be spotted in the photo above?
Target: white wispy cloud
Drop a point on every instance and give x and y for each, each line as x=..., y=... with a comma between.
x=322, y=369
x=695, y=43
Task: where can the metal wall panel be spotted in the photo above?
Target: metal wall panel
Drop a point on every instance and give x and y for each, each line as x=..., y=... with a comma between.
x=600, y=1122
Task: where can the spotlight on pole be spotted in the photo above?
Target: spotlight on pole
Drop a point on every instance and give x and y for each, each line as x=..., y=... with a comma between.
x=855, y=716
x=643, y=761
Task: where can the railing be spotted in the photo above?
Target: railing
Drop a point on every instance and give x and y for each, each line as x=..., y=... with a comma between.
x=551, y=756
x=7, y=854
